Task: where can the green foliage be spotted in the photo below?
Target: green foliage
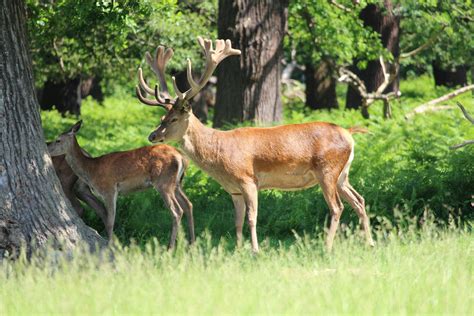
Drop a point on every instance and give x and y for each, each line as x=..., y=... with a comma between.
x=426, y=273
x=108, y=38
x=402, y=168
x=450, y=23
x=321, y=31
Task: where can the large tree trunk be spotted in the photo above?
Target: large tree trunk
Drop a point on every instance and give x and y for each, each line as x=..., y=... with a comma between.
x=449, y=77
x=248, y=88
x=66, y=96
x=384, y=22
x=320, y=86
x=33, y=210
x=92, y=86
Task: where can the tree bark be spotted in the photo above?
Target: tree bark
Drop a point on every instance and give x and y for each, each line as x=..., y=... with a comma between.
x=249, y=88
x=33, y=209
x=384, y=22
x=320, y=86
x=443, y=76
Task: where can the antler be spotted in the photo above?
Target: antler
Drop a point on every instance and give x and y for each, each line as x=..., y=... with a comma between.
x=158, y=65
x=213, y=58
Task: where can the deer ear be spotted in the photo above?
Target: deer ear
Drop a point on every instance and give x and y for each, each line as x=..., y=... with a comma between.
x=75, y=128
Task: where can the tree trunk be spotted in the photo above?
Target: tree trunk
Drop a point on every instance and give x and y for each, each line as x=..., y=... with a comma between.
x=66, y=96
x=248, y=86
x=449, y=77
x=384, y=22
x=33, y=210
x=320, y=86
x=91, y=86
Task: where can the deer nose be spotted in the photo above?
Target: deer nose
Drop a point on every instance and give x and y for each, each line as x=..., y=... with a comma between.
x=152, y=136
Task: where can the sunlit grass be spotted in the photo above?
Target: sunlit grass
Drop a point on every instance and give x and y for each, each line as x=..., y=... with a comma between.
x=427, y=272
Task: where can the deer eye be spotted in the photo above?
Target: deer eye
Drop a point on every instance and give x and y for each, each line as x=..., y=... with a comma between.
x=174, y=120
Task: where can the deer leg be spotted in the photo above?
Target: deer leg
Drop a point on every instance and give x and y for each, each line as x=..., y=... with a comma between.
x=250, y=195
x=187, y=207
x=335, y=206
x=74, y=202
x=170, y=200
x=239, y=206
x=350, y=195
x=84, y=193
x=110, y=204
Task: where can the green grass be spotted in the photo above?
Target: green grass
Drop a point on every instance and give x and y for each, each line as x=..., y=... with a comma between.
x=417, y=272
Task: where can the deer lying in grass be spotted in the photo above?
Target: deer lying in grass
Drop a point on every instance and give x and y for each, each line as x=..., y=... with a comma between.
x=159, y=166
x=245, y=160
x=74, y=188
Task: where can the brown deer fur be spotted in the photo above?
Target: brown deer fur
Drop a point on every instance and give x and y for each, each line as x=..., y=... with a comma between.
x=249, y=159
x=160, y=166
x=74, y=188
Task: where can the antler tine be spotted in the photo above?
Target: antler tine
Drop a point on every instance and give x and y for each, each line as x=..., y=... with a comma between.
x=142, y=82
x=145, y=100
x=213, y=58
x=162, y=59
x=158, y=65
x=180, y=95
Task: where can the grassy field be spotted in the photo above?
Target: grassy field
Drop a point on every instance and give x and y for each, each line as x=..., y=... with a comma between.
x=418, y=195
x=419, y=272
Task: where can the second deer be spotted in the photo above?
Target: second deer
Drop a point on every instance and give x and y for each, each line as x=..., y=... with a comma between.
x=159, y=166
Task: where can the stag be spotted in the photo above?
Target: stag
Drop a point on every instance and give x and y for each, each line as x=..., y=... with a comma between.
x=159, y=166
x=245, y=160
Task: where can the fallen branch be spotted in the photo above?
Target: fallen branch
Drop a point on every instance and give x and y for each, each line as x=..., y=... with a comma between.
x=428, y=108
x=449, y=96
x=347, y=76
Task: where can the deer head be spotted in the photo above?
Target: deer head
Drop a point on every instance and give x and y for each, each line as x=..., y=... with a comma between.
x=174, y=124
x=65, y=141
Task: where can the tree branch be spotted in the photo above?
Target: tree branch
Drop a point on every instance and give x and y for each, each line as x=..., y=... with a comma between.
x=56, y=50
x=347, y=76
x=340, y=6
x=466, y=115
x=449, y=96
x=430, y=108
x=470, y=119
x=464, y=143
x=428, y=43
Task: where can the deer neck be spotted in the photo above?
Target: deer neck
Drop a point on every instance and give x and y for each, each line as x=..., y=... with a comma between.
x=80, y=163
x=200, y=143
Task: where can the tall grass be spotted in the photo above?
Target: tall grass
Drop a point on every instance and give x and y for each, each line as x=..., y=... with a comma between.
x=418, y=272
